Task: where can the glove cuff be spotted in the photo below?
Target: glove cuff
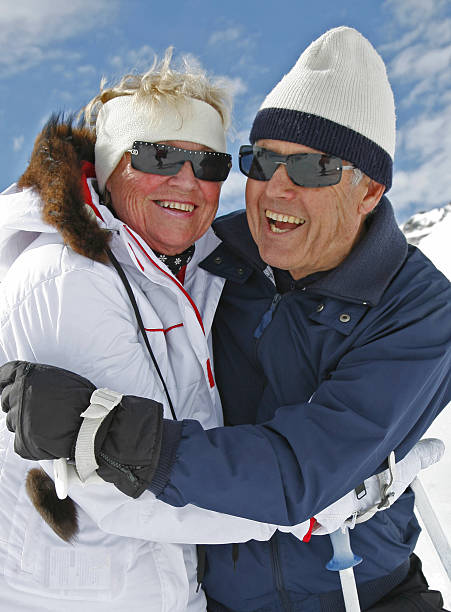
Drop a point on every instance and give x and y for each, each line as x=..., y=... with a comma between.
x=172, y=432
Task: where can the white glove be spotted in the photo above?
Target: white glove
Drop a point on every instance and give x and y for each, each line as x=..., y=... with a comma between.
x=350, y=510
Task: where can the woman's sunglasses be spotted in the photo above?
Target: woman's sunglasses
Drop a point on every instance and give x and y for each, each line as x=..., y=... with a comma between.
x=165, y=160
x=304, y=169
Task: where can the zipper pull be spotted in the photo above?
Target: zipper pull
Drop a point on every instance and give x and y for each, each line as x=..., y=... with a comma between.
x=267, y=317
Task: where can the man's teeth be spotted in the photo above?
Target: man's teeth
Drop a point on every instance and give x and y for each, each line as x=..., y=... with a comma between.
x=276, y=230
x=176, y=205
x=285, y=218
x=276, y=217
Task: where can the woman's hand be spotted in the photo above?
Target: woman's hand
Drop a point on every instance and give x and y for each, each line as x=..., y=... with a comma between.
x=43, y=405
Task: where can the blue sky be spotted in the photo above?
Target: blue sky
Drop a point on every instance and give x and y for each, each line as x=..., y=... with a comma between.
x=53, y=54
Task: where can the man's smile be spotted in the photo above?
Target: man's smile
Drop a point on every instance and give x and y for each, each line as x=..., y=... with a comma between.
x=280, y=223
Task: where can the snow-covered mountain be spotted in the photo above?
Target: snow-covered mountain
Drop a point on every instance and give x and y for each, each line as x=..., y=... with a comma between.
x=431, y=232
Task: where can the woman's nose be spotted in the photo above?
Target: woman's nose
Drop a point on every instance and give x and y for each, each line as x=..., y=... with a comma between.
x=185, y=177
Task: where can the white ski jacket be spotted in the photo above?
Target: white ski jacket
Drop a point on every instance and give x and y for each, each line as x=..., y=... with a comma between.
x=61, y=308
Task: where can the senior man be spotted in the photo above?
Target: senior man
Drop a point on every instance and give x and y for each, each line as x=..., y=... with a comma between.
x=332, y=347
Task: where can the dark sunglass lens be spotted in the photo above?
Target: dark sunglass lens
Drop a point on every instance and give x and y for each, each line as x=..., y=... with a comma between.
x=246, y=156
x=315, y=170
x=211, y=167
x=252, y=163
x=155, y=159
x=167, y=161
x=142, y=157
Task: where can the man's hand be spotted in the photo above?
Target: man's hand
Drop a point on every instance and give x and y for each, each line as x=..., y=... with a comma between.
x=44, y=406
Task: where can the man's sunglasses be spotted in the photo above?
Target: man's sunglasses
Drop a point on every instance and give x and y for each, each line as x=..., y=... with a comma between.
x=304, y=169
x=165, y=160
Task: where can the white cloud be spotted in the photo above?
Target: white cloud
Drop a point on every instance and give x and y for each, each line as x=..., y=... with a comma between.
x=410, y=13
x=425, y=142
x=419, y=66
x=419, y=61
x=135, y=60
x=18, y=143
x=400, y=43
x=422, y=55
x=424, y=187
x=235, y=87
x=29, y=30
x=239, y=45
x=86, y=70
x=238, y=136
x=225, y=36
x=232, y=192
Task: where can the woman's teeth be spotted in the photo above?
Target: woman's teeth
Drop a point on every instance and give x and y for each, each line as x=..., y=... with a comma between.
x=276, y=218
x=176, y=205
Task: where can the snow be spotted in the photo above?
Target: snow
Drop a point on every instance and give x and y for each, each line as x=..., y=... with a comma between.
x=436, y=481
x=431, y=232
x=432, y=246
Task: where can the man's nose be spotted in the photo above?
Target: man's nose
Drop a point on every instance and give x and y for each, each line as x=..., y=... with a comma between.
x=280, y=185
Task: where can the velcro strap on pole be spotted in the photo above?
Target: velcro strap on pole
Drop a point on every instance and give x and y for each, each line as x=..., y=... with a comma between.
x=102, y=402
x=386, y=492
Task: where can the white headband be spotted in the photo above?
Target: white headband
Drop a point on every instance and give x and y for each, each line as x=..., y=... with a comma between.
x=125, y=119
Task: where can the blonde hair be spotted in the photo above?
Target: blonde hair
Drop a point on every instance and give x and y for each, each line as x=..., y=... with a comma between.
x=164, y=83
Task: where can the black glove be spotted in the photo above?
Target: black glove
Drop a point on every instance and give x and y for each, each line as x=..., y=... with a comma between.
x=43, y=405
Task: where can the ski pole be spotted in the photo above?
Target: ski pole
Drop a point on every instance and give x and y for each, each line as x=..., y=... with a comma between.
x=432, y=524
x=343, y=561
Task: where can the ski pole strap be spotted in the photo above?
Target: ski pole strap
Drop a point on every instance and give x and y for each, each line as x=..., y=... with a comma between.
x=387, y=493
x=102, y=402
x=386, y=490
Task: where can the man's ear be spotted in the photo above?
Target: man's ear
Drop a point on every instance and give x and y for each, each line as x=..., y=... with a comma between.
x=374, y=192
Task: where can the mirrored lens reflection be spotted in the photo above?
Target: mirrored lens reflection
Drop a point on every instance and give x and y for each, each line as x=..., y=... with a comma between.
x=304, y=169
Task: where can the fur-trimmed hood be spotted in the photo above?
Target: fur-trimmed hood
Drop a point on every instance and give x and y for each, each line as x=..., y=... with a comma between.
x=56, y=175
x=53, y=196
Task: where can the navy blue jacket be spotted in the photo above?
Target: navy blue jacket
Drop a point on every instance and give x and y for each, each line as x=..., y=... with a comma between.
x=320, y=384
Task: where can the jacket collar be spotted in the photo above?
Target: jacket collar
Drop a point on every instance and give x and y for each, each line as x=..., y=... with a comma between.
x=361, y=278
x=57, y=173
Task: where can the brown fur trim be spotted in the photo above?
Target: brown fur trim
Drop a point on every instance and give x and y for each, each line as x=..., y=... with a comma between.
x=59, y=514
x=55, y=173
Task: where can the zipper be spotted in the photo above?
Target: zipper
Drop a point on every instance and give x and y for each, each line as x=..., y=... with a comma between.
x=278, y=577
x=26, y=371
x=125, y=469
x=267, y=317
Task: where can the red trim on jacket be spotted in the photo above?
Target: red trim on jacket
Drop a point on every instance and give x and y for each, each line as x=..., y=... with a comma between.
x=181, y=274
x=308, y=535
x=136, y=257
x=173, y=279
x=88, y=171
x=211, y=379
x=165, y=331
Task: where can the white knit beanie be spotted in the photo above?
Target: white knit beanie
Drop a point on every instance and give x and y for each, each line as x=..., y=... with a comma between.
x=336, y=99
x=125, y=119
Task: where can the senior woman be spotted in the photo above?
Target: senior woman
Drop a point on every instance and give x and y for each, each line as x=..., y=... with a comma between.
x=86, y=252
